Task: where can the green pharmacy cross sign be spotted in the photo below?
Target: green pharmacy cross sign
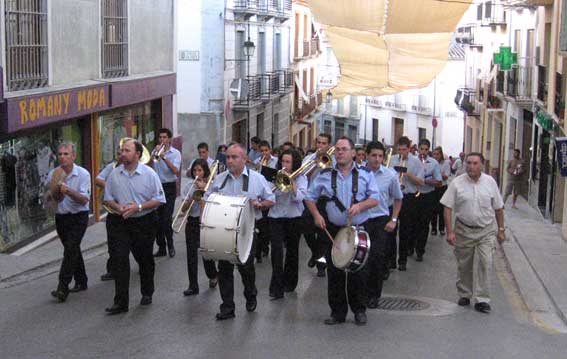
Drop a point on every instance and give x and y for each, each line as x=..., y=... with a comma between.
x=505, y=58
x=545, y=121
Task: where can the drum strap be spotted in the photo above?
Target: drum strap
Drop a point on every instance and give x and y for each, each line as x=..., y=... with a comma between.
x=335, y=199
x=245, y=181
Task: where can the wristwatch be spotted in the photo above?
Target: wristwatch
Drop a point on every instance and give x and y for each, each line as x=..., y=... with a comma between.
x=502, y=229
x=139, y=207
x=395, y=220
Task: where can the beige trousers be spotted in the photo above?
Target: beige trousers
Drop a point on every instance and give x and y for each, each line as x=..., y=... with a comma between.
x=474, y=281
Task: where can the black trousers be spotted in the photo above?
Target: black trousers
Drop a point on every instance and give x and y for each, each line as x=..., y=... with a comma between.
x=377, y=262
x=314, y=237
x=134, y=235
x=425, y=204
x=192, y=240
x=262, y=238
x=391, y=245
x=437, y=219
x=226, y=282
x=285, y=232
x=342, y=285
x=165, y=212
x=71, y=229
x=409, y=226
x=109, y=244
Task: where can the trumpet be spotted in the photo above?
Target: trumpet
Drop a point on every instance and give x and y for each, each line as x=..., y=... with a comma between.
x=186, y=206
x=389, y=157
x=322, y=160
x=156, y=155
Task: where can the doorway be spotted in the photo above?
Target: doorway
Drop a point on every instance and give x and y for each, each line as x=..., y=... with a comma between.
x=398, y=129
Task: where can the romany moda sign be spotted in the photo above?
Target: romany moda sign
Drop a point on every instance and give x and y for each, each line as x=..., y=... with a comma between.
x=36, y=110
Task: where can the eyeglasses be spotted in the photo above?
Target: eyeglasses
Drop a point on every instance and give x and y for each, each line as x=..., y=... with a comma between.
x=342, y=149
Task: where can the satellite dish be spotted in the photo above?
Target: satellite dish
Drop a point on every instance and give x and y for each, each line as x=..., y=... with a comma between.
x=239, y=89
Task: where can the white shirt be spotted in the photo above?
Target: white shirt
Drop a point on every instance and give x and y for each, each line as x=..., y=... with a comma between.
x=473, y=202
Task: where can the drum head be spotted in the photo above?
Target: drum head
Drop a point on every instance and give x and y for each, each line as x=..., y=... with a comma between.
x=245, y=237
x=343, y=247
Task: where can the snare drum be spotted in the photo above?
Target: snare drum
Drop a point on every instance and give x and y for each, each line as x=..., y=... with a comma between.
x=351, y=249
x=227, y=228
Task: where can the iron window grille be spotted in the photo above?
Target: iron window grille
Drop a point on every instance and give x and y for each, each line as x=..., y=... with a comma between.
x=114, y=38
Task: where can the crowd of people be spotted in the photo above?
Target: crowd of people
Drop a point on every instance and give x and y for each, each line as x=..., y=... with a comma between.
x=398, y=199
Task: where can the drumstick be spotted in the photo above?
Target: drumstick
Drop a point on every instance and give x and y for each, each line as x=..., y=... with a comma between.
x=328, y=234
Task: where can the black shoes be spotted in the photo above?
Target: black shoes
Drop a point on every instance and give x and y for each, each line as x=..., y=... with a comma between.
x=78, y=288
x=360, y=318
x=402, y=267
x=288, y=289
x=171, y=251
x=410, y=252
x=442, y=233
x=60, y=295
x=190, y=292
x=419, y=258
x=160, y=253
x=106, y=276
x=433, y=232
x=276, y=296
x=321, y=272
x=373, y=302
x=333, y=321
x=213, y=282
x=251, y=305
x=225, y=316
x=312, y=261
x=146, y=300
x=482, y=307
x=463, y=302
x=259, y=260
x=116, y=309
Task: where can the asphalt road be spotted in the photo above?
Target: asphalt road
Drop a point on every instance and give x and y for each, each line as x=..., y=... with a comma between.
x=33, y=325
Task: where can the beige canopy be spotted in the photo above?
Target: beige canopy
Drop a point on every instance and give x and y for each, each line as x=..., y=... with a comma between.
x=387, y=46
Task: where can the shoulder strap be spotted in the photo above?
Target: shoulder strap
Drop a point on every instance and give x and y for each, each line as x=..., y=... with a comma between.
x=354, y=185
x=224, y=182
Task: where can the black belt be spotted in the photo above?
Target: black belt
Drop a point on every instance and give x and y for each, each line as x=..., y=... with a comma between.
x=466, y=225
x=82, y=213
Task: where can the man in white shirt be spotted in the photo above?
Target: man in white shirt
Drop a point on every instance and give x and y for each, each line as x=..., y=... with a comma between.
x=479, y=221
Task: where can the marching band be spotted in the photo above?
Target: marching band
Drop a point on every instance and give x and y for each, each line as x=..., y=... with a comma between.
x=348, y=203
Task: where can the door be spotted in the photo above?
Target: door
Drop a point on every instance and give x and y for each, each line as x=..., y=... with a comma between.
x=544, y=169
x=526, y=153
x=398, y=129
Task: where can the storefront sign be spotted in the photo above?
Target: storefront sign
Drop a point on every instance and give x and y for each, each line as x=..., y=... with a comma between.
x=561, y=146
x=37, y=110
x=126, y=93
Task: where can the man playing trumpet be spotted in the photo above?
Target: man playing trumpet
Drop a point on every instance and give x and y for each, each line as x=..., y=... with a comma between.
x=166, y=162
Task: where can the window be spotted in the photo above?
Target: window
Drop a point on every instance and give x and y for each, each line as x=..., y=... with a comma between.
x=328, y=128
x=26, y=44
x=479, y=12
x=260, y=125
x=275, y=129
x=239, y=55
x=114, y=38
x=488, y=9
x=374, y=129
x=261, y=52
x=518, y=42
x=422, y=133
x=277, y=52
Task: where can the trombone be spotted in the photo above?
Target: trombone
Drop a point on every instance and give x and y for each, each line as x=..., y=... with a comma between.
x=389, y=157
x=262, y=163
x=284, y=180
x=186, y=206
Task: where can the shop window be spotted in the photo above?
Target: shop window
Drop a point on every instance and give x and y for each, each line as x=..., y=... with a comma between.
x=26, y=44
x=25, y=164
x=114, y=38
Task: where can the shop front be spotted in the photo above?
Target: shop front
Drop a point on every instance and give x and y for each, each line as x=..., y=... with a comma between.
x=94, y=118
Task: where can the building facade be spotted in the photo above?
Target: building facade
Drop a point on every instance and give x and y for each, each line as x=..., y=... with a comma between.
x=89, y=72
x=411, y=113
x=226, y=93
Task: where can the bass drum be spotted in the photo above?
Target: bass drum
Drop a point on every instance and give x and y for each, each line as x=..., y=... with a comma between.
x=351, y=249
x=227, y=228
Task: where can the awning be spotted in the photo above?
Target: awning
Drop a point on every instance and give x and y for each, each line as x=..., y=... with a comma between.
x=387, y=46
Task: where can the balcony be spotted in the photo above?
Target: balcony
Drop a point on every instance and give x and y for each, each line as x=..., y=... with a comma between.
x=395, y=106
x=427, y=111
x=245, y=8
x=283, y=8
x=467, y=35
x=519, y=84
x=373, y=102
x=494, y=15
x=309, y=47
x=559, y=106
x=285, y=81
x=500, y=82
x=467, y=101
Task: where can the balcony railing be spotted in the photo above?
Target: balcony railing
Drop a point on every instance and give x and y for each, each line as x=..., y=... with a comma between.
x=500, y=82
x=373, y=102
x=421, y=110
x=494, y=14
x=306, y=44
x=559, y=107
x=309, y=47
x=246, y=7
x=467, y=35
x=395, y=106
x=519, y=83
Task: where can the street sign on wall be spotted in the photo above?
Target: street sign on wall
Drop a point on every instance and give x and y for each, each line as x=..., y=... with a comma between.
x=561, y=146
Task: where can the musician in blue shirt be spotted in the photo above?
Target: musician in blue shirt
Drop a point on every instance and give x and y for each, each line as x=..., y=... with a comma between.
x=200, y=173
x=240, y=181
x=284, y=225
x=351, y=192
x=71, y=218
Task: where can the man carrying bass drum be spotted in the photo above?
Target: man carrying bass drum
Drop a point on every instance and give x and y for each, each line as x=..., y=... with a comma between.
x=349, y=193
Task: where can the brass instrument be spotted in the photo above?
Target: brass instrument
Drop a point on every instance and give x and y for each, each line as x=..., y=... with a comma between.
x=389, y=156
x=263, y=162
x=156, y=155
x=185, y=208
x=324, y=159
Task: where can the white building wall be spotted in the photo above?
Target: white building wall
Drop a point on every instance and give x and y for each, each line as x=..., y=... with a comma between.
x=189, y=72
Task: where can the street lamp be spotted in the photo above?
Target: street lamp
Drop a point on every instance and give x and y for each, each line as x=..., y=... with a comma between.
x=249, y=48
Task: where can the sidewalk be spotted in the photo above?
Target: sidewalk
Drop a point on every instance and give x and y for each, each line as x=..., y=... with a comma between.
x=51, y=253
x=537, y=255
